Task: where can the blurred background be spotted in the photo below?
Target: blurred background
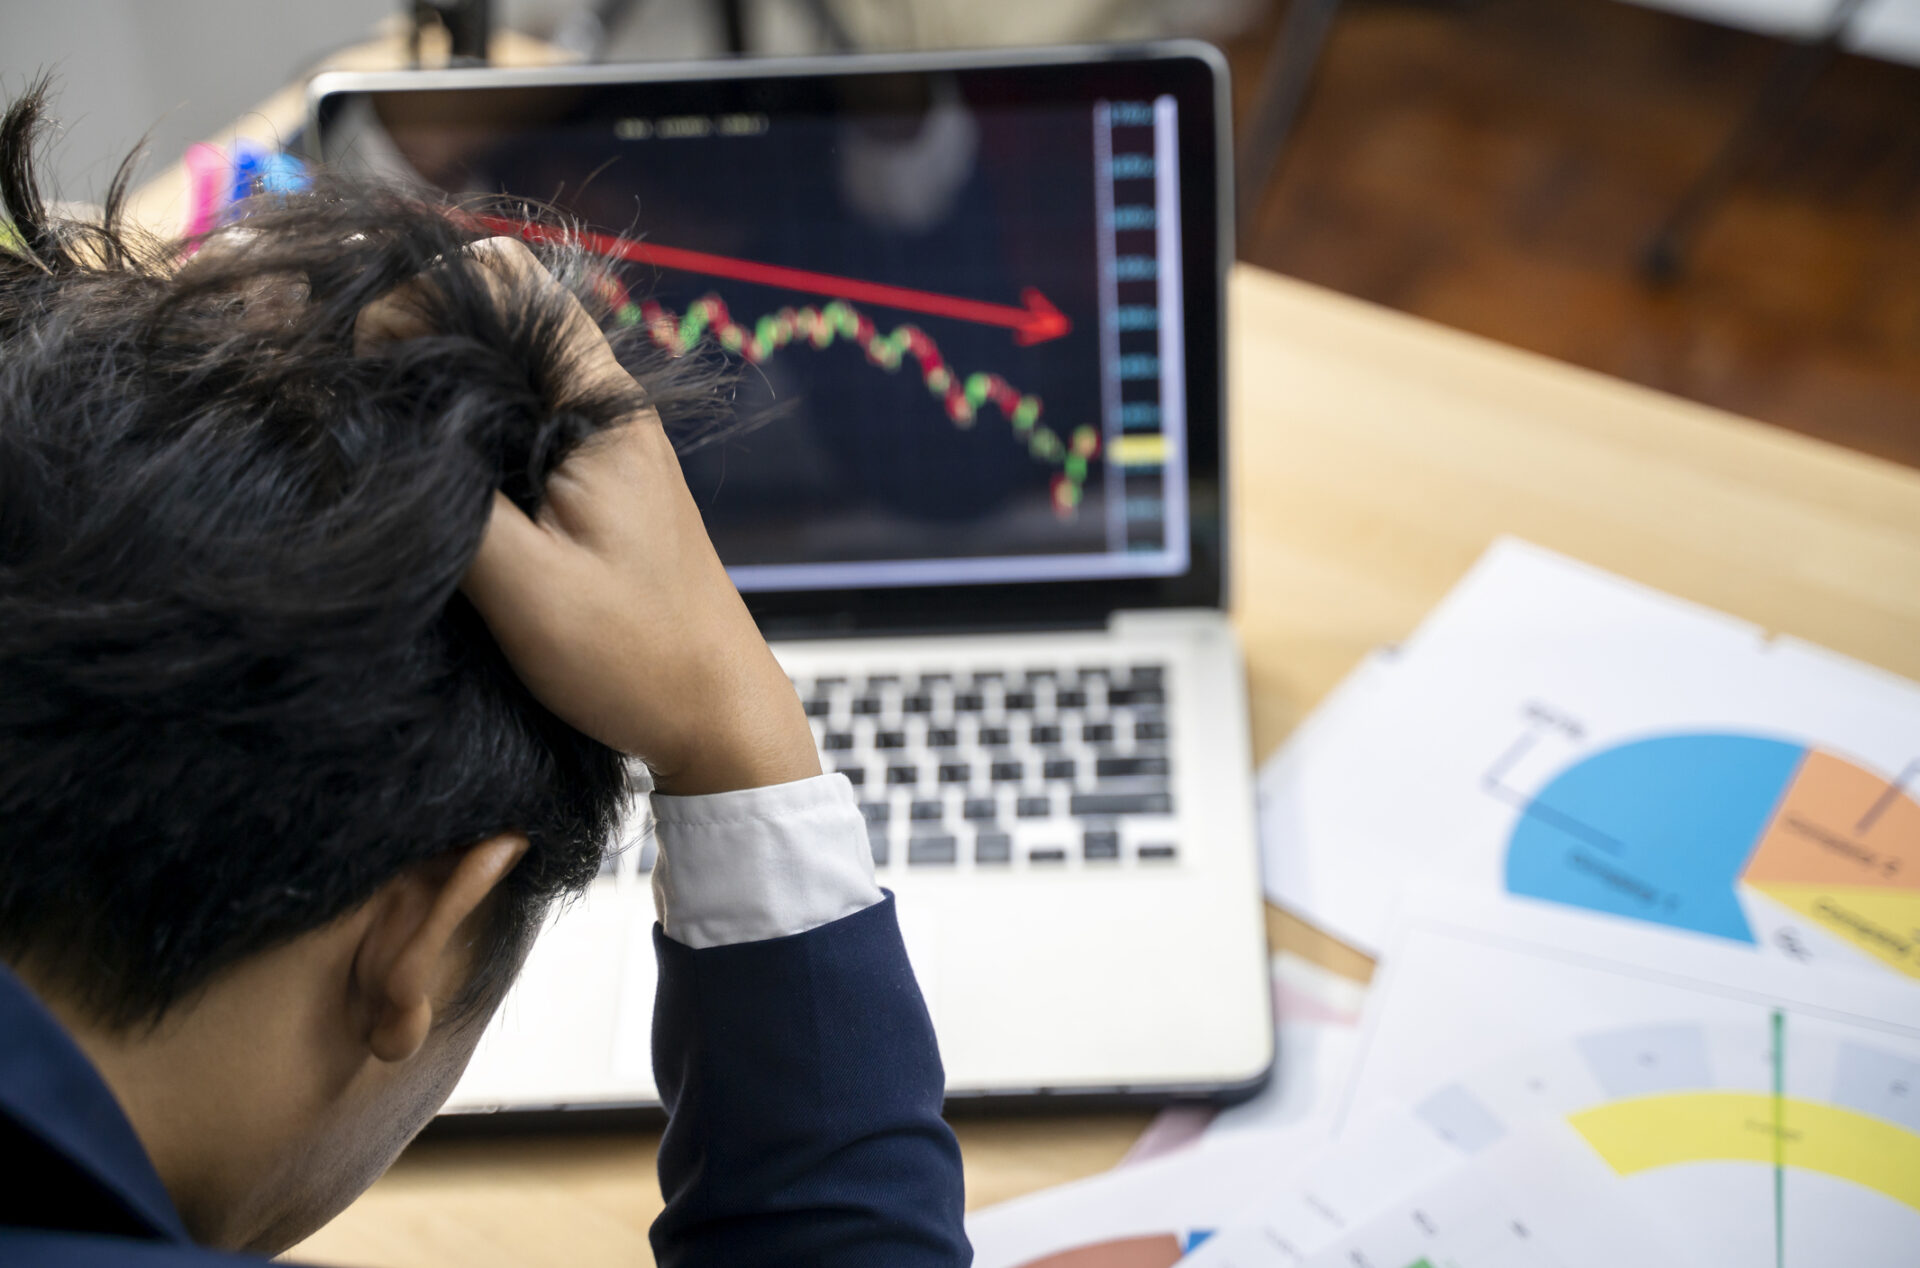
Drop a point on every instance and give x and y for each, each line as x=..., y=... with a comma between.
x=1717, y=198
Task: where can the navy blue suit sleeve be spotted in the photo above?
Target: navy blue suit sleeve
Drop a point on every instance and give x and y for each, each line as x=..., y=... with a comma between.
x=803, y=1089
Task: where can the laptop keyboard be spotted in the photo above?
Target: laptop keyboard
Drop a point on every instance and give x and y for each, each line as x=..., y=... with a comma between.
x=1039, y=767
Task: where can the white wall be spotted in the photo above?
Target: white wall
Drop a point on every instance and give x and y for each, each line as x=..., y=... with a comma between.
x=183, y=68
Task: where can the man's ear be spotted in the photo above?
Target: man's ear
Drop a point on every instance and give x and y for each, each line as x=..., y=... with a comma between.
x=413, y=954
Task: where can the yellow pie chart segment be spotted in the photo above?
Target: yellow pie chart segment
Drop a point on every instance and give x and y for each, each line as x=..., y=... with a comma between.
x=1884, y=923
x=1647, y=1132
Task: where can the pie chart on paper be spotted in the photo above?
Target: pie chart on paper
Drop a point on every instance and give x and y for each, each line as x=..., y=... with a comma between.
x=1680, y=829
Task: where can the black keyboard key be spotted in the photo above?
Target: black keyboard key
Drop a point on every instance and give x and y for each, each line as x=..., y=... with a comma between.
x=993, y=847
x=923, y=811
x=1100, y=845
x=955, y=773
x=903, y=775
x=1092, y=673
x=1147, y=675
x=919, y=703
x=1033, y=807
x=995, y=736
x=866, y=704
x=1151, y=803
x=1046, y=856
x=836, y=741
x=1040, y=675
x=1046, y=734
x=984, y=676
x=1126, y=767
x=942, y=737
x=1152, y=853
x=856, y=775
x=1008, y=772
x=968, y=702
x=1097, y=733
x=890, y=739
x=1150, y=730
x=876, y=811
x=877, y=842
x=876, y=681
x=1018, y=700
x=940, y=849
x=826, y=682
x=1070, y=698
x=981, y=808
x=817, y=708
x=929, y=681
x=1058, y=768
x=1136, y=695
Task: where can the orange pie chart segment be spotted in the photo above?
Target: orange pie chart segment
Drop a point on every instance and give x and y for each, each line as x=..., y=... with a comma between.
x=1840, y=825
x=1843, y=850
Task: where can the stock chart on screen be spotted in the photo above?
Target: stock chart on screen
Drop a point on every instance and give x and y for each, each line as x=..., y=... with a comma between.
x=960, y=324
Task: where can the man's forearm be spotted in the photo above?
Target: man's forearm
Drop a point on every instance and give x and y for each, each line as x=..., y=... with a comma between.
x=800, y=1072
x=804, y=1090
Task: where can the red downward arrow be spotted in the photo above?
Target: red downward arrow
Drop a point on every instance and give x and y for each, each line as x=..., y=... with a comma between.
x=1035, y=322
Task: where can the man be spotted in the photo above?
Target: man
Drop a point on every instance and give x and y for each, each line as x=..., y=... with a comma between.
x=342, y=569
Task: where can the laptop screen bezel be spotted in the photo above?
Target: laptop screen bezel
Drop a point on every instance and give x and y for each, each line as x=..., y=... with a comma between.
x=1193, y=74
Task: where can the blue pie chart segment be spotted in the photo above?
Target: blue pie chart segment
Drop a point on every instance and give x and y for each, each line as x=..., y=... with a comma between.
x=1656, y=829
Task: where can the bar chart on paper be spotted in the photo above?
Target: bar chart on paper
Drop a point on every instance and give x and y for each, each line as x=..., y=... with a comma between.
x=1699, y=831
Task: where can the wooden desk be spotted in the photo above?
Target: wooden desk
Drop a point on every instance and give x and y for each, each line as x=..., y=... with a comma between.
x=1375, y=457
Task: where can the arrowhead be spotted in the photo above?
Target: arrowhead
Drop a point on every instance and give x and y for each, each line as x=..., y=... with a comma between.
x=1042, y=322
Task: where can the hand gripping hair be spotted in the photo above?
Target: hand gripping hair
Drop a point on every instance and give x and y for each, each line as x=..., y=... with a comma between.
x=239, y=687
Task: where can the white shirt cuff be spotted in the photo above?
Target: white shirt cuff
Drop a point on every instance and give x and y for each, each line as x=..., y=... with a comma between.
x=761, y=862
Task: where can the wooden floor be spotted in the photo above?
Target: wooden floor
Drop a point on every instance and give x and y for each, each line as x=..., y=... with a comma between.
x=1499, y=165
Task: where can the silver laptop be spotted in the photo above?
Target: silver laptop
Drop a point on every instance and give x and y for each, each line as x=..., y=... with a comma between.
x=984, y=528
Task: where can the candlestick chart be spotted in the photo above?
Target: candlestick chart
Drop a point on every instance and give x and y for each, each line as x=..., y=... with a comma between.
x=933, y=374
x=961, y=396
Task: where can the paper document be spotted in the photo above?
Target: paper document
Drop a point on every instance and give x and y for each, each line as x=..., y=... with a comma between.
x=1317, y=1015
x=1766, y=1115
x=1194, y=1167
x=1301, y=1210
x=1556, y=732
x=1540, y=1200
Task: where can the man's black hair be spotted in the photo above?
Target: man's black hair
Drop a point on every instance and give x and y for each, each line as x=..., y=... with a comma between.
x=239, y=687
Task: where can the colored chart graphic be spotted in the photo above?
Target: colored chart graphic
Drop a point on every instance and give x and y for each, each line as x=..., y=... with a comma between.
x=1693, y=1127
x=1672, y=829
x=961, y=396
x=1776, y=1144
x=1813, y=1180
x=1160, y=1250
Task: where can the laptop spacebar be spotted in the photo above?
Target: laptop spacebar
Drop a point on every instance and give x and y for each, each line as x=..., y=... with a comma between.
x=1121, y=803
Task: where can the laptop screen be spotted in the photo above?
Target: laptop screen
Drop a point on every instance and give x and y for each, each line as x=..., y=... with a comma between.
x=954, y=301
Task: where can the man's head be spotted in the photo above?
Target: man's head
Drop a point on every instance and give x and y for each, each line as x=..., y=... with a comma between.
x=261, y=767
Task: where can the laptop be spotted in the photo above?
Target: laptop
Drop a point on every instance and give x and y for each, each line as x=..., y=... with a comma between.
x=983, y=528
